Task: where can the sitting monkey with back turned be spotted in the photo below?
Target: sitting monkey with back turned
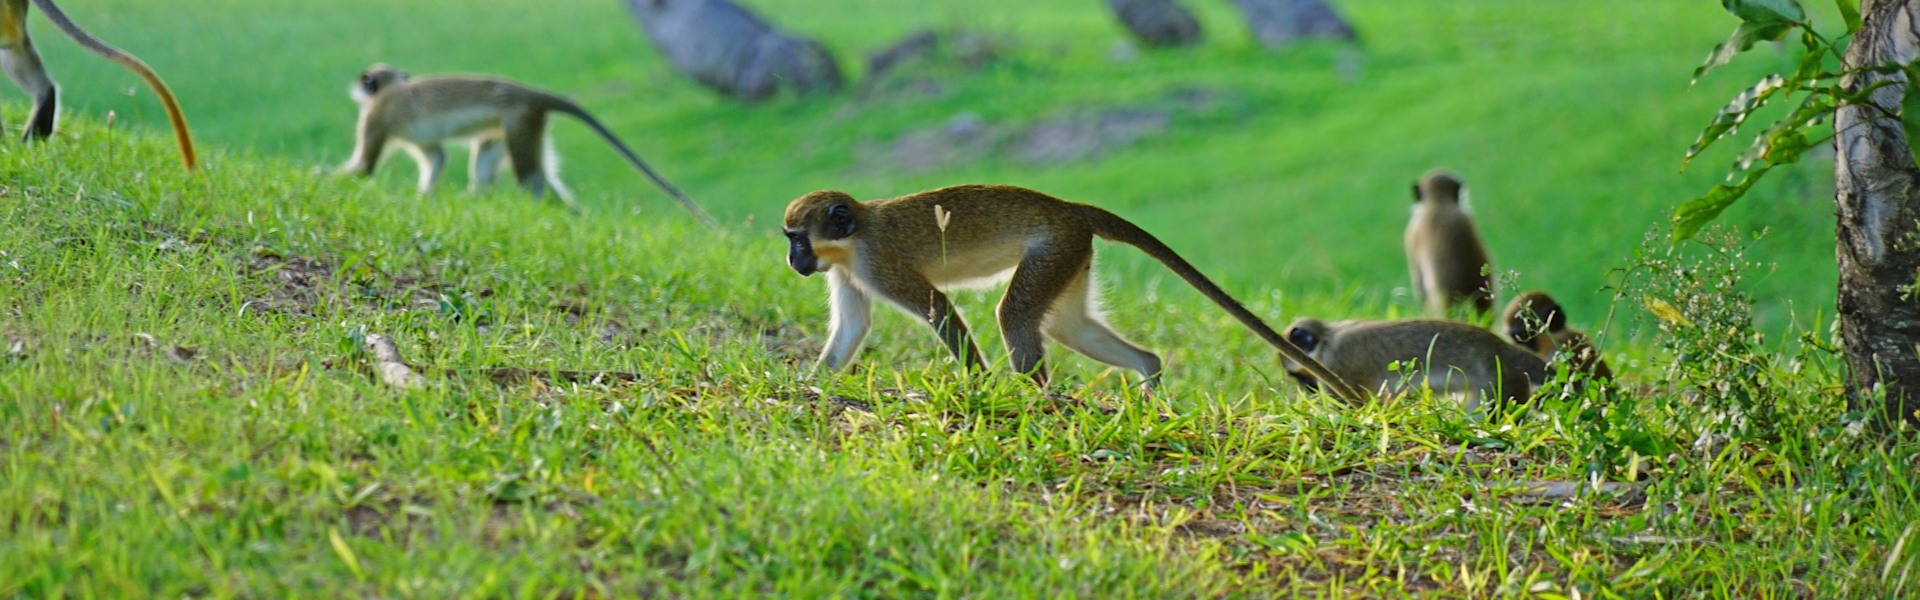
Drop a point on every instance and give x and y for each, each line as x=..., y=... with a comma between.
x=1444, y=254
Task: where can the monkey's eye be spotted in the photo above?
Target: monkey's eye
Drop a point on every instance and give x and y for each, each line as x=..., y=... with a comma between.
x=1416, y=191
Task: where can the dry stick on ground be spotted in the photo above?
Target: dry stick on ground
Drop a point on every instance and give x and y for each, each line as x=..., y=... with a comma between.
x=394, y=371
x=388, y=365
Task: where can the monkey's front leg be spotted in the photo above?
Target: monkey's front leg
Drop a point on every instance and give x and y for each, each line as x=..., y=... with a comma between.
x=432, y=159
x=367, y=148
x=922, y=300
x=946, y=323
x=851, y=314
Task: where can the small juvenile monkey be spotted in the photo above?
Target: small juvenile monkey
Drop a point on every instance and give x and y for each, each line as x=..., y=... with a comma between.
x=22, y=62
x=906, y=250
x=1444, y=253
x=1447, y=357
x=500, y=119
x=1534, y=321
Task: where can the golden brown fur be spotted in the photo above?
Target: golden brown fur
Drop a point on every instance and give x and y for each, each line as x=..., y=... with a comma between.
x=1444, y=254
x=1533, y=320
x=898, y=250
x=22, y=62
x=1446, y=356
x=501, y=119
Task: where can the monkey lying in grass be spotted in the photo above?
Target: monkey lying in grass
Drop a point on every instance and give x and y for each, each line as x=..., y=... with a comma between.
x=1445, y=356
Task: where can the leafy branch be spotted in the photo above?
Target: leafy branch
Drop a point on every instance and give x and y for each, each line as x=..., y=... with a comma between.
x=1821, y=92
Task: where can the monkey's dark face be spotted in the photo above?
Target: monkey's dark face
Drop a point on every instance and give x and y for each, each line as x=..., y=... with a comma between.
x=800, y=254
x=377, y=78
x=1532, y=315
x=818, y=228
x=1305, y=334
x=1304, y=337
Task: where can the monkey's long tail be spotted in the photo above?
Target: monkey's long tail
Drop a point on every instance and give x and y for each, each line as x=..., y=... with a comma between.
x=86, y=40
x=567, y=106
x=1110, y=226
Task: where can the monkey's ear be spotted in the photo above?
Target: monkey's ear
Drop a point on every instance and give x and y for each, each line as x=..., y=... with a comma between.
x=1416, y=191
x=840, y=221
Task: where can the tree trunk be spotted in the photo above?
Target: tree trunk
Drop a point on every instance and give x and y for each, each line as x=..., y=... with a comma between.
x=1879, y=220
x=1277, y=23
x=1159, y=23
x=734, y=51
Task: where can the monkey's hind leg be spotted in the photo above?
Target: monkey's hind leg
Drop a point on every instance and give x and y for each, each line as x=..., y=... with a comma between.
x=1075, y=322
x=1040, y=286
x=552, y=172
x=530, y=153
x=22, y=63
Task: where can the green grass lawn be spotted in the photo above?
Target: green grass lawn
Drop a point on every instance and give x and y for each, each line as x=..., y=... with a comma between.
x=1567, y=119
x=185, y=408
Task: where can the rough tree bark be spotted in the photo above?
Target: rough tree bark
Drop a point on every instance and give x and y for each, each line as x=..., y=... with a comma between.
x=733, y=51
x=1879, y=217
x=1157, y=23
x=1277, y=23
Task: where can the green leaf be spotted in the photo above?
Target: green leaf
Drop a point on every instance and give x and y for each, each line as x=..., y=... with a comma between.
x=1735, y=113
x=1766, y=11
x=1910, y=111
x=1743, y=39
x=1786, y=141
x=1647, y=444
x=1849, y=12
x=1812, y=61
x=345, y=552
x=1698, y=212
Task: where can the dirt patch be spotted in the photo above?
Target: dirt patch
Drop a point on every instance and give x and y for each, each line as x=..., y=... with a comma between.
x=1081, y=137
x=1072, y=137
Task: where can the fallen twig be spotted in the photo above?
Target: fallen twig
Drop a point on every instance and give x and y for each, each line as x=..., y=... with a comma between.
x=388, y=365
